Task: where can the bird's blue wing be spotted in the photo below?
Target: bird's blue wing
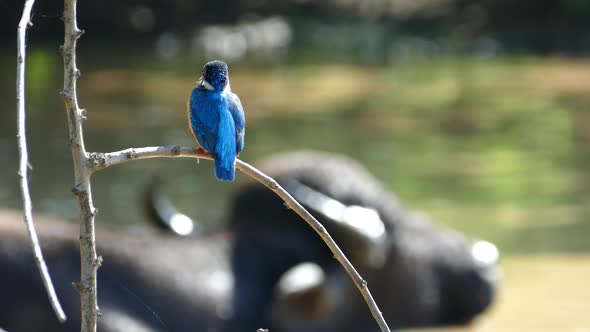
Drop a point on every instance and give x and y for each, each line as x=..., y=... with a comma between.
x=237, y=113
x=204, y=119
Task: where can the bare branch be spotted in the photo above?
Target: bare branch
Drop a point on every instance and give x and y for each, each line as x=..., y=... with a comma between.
x=98, y=161
x=115, y=158
x=89, y=261
x=24, y=161
x=360, y=283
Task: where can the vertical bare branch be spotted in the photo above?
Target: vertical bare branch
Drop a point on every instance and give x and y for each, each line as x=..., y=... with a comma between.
x=24, y=160
x=89, y=261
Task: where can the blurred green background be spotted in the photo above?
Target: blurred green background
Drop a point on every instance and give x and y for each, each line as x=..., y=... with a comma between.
x=473, y=112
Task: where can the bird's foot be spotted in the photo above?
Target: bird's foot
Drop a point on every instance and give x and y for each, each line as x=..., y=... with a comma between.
x=201, y=151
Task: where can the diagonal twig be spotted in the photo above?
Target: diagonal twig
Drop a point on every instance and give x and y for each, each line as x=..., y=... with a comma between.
x=24, y=160
x=359, y=282
x=98, y=161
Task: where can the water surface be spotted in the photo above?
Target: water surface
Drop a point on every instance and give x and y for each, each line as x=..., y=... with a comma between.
x=496, y=148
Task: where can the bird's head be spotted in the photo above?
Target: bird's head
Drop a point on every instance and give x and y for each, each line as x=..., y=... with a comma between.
x=215, y=75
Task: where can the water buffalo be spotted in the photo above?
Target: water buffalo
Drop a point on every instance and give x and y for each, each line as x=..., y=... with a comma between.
x=265, y=267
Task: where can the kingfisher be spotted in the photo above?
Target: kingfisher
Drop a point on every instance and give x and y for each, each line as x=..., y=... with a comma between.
x=216, y=118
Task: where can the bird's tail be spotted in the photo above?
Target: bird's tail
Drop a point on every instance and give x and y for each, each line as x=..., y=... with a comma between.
x=225, y=148
x=225, y=170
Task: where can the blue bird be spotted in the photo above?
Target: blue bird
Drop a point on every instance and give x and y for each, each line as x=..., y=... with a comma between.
x=216, y=118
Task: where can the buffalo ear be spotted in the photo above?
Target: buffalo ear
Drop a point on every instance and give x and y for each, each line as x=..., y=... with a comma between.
x=358, y=230
x=302, y=295
x=362, y=235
